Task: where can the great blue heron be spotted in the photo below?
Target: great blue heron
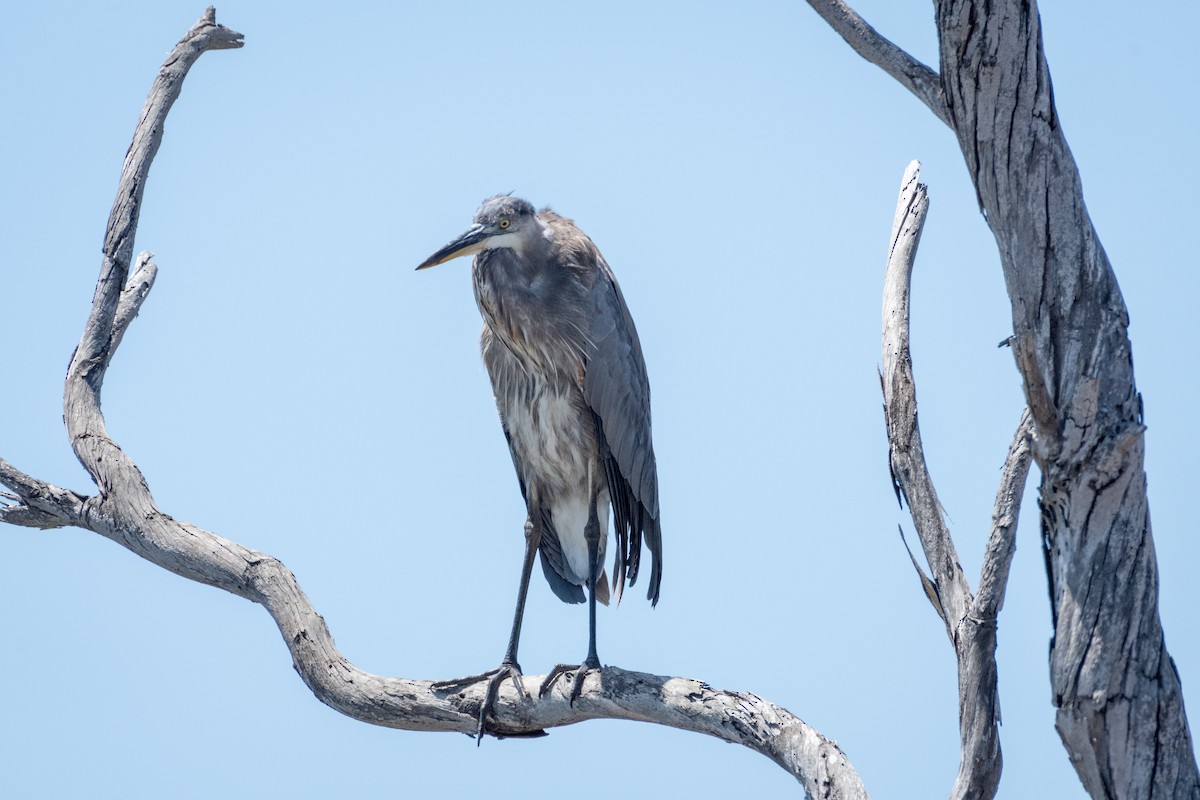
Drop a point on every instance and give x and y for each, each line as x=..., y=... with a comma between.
x=574, y=400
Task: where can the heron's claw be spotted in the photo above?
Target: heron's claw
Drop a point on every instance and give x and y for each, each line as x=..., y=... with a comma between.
x=580, y=670
x=495, y=677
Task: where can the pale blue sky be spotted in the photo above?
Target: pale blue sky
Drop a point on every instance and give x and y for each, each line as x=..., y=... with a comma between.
x=292, y=384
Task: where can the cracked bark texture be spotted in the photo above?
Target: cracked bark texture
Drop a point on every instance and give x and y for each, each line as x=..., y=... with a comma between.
x=125, y=511
x=1119, y=706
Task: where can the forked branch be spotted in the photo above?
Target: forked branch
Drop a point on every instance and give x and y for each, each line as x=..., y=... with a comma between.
x=125, y=512
x=970, y=619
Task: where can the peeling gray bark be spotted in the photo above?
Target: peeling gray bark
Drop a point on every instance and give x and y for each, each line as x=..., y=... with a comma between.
x=1119, y=707
x=970, y=619
x=125, y=511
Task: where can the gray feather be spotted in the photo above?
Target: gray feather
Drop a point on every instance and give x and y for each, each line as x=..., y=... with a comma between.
x=617, y=389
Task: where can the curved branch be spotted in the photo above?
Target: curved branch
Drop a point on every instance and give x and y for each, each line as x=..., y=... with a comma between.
x=81, y=402
x=125, y=512
x=815, y=761
x=737, y=717
x=868, y=43
x=907, y=456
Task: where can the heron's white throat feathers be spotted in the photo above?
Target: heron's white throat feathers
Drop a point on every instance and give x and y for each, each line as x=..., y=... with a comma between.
x=510, y=239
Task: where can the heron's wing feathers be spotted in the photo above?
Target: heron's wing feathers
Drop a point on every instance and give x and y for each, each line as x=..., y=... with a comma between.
x=617, y=390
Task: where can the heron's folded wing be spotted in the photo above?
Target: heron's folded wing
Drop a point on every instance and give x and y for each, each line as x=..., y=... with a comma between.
x=617, y=390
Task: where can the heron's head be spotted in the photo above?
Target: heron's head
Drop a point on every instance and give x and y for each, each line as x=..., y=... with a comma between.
x=502, y=221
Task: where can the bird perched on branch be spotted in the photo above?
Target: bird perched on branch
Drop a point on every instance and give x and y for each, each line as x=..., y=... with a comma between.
x=570, y=383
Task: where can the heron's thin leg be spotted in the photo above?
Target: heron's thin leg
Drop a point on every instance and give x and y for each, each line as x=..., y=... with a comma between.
x=591, y=534
x=509, y=668
x=533, y=537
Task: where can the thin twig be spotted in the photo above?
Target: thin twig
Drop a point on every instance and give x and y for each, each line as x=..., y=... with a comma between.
x=997, y=558
x=137, y=288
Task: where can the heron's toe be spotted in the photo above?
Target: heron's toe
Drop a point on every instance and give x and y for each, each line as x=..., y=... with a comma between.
x=580, y=673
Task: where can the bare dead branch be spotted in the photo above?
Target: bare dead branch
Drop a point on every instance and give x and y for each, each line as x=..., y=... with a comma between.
x=739, y=717
x=85, y=424
x=970, y=622
x=126, y=513
x=37, y=504
x=868, y=43
x=907, y=457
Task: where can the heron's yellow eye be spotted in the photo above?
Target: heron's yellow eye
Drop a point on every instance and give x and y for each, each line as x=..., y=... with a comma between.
x=504, y=224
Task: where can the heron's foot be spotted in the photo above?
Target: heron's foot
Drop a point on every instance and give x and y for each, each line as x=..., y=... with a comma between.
x=495, y=677
x=580, y=670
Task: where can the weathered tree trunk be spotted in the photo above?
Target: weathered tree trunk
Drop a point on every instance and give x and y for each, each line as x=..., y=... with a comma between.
x=1120, y=710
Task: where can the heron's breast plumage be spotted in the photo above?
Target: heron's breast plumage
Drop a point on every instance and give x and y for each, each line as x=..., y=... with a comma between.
x=554, y=448
x=536, y=358
x=543, y=419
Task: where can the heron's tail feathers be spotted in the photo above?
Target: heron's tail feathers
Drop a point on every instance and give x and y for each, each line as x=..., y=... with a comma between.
x=554, y=565
x=653, y=537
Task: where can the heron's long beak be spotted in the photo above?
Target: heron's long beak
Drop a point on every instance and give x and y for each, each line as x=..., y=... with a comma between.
x=470, y=242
